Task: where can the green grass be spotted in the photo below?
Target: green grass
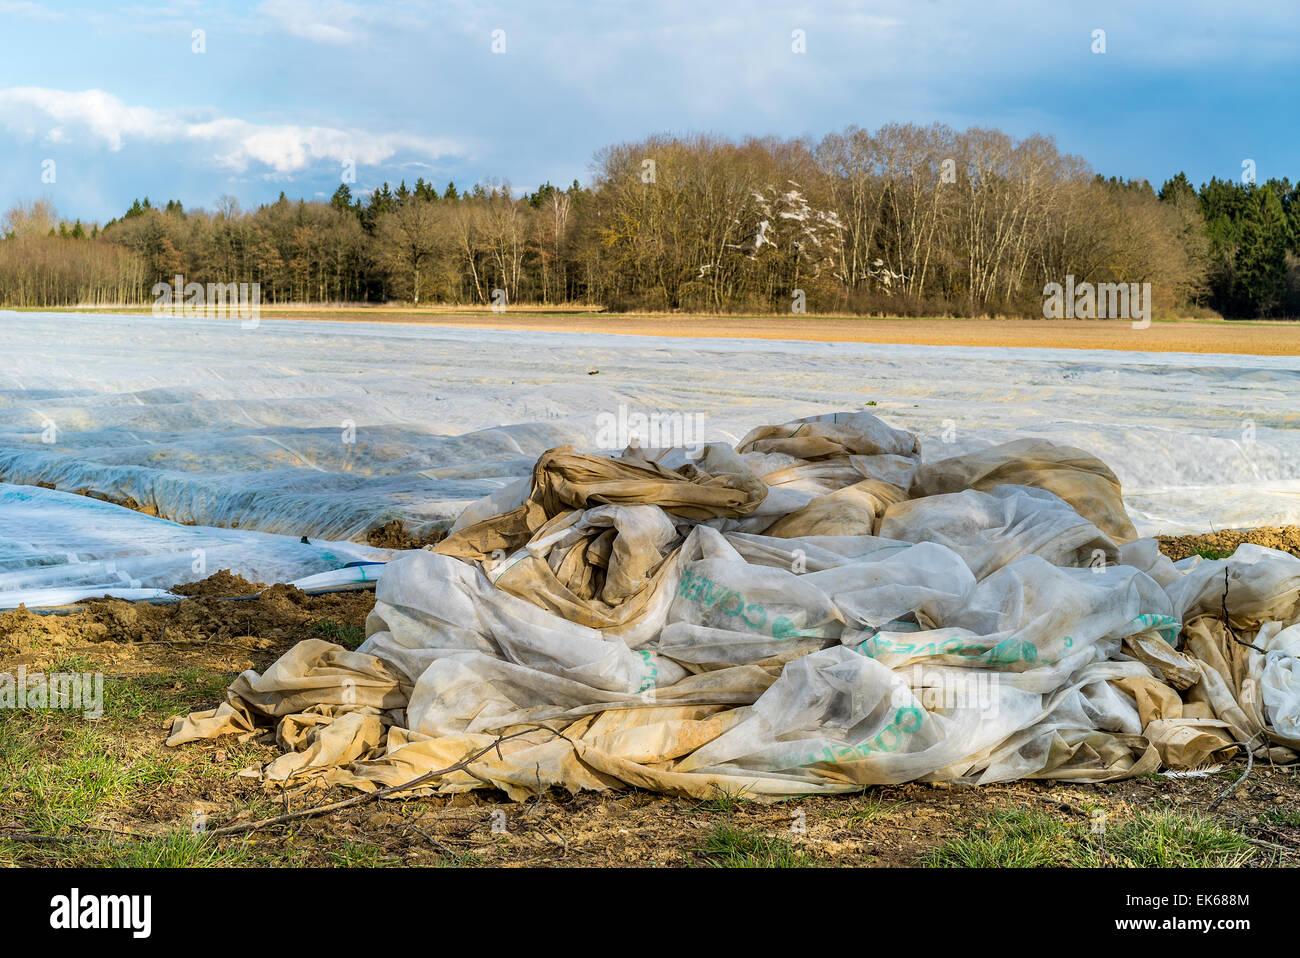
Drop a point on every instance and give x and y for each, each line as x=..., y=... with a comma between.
x=66, y=774
x=1209, y=552
x=360, y=855
x=177, y=693
x=730, y=846
x=1283, y=816
x=871, y=808
x=725, y=802
x=458, y=861
x=63, y=771
x=70, y=662
x=178, y=849
x=1150, y=839
x=1166, y=839
x=1008, y=840
x=71, y=779
x=348, y=636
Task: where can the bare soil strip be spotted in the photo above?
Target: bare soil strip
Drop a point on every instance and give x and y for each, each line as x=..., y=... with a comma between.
x=1182, y=336
x=1242, y=337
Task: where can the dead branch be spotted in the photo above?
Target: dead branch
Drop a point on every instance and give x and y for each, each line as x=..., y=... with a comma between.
x=1250, y=764
x=462, y=765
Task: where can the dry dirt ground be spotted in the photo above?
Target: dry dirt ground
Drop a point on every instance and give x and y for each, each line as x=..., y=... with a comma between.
x=71, y=789
x=1258, y=337
x=1182, y=336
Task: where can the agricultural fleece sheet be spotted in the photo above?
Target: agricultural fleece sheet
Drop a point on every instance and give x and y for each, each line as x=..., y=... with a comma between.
x=810, y=610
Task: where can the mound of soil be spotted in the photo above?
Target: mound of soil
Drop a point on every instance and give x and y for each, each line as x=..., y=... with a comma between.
x=223, y=632
x=1223, y=544
x=222, y=584
x=394, y=535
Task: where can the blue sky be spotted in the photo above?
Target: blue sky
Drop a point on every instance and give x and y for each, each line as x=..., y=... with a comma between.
x=288, y=91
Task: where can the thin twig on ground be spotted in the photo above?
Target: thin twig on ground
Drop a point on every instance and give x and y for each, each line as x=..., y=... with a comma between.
x=1250, y=764
x=462, y=765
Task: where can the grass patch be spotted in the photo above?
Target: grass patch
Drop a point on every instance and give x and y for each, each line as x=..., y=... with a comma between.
x=348, y=636
x=67, y=772
x=360, y=855
x=175, y=849
x=1166, y=839
x=1149, y=839
x=1282, y=816
x=178, y=849
x=725, y=802
x=71, y=662
x=1015, y=839
x=730, y=846
x=72, y=785
x=1210, y=552
x=872, y=808
x=466, y=860
x=63, y=771
x=177, y=693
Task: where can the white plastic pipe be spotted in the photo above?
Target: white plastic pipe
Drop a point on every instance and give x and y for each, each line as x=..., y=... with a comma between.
x=48, y=598
x=336, y=577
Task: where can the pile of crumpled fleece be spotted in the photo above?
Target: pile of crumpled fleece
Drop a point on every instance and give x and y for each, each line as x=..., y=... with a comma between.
x=811, y=611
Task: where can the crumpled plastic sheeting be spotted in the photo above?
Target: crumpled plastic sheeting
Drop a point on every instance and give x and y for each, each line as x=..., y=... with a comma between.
x=57, y=540
x=1082, y=480
x=812, y=610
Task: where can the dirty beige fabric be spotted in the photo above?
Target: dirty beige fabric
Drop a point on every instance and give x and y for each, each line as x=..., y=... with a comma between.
x=323, y=737
x=830, y=437
x=602, y=567
x=314, y=676
x=1082, y=480
x=1230, y=687
x=564, y=480
x=1186, y=735
x=850, y=511
x=812, y=611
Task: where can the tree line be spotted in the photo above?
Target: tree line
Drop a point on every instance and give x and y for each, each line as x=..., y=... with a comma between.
x=903, y=220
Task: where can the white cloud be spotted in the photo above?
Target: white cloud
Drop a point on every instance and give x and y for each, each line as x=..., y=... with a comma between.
x=169, y=10
x=321, y=21
x=96, y=117
x=25, y=111
x=28, y=10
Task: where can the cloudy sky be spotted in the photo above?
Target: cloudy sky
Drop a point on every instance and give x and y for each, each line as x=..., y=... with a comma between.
x=286, y=92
